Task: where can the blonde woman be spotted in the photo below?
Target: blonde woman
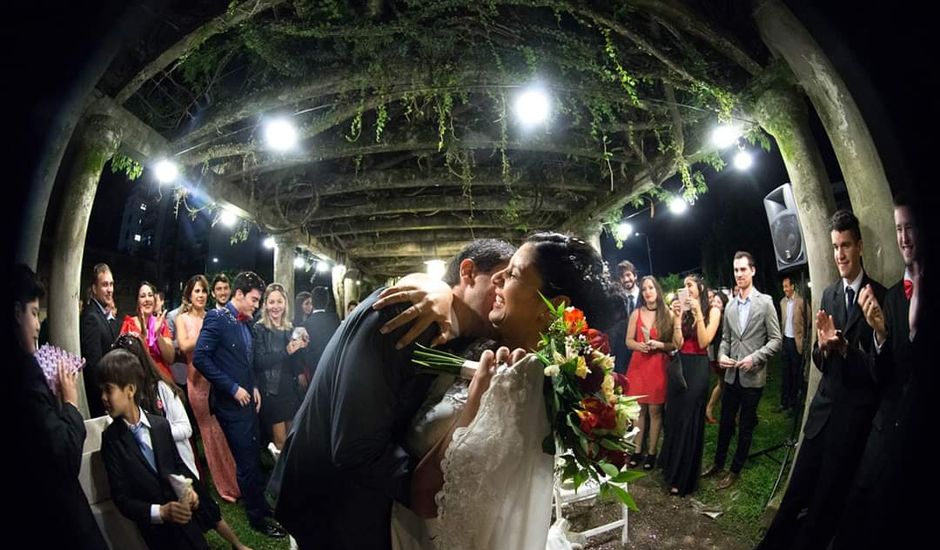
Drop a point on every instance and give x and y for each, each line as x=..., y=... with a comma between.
x=278, y=366
x=218, y=455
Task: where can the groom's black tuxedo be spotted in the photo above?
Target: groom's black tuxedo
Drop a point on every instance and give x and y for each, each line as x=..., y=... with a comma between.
x=343, y=464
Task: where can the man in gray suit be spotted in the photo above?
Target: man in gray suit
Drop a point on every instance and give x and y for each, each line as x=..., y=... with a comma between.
x=751, y=336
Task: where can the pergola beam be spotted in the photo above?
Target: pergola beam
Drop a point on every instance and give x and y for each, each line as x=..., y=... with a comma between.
x=408, y=205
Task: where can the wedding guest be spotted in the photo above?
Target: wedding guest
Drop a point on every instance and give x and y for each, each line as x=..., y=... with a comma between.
x=652, y=332
x=839, y=418
x=221, y=290
x=224, y=356
x=50, y=509
x=214, y=446
x=320, y=327
x=278, y=365
x=750, y=337
x=681, y=456
x=159, y=301
x=717, y=299
x=793, y=323
x=618, y=333
x=150, y=326
x=304, y=301
x=139, y=457
x=98, y=328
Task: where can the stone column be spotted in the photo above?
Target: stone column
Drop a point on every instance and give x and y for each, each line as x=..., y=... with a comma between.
x=284, y=267
x=782, y=112
x=97, y=141
x=339, y=291
x=858, y=158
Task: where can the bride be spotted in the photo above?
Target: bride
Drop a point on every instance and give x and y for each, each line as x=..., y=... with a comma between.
x=484, y=481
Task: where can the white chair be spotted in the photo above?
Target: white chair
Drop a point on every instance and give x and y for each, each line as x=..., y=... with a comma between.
x=118, y=531
x=566, y=495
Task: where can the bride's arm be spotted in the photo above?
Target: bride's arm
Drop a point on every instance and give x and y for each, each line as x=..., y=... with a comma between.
x=431, y=303
x=428, y=478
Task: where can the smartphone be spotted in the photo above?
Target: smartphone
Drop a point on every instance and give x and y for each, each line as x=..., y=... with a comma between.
x=684, y=299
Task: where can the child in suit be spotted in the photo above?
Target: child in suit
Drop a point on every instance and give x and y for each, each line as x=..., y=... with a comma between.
x=140, y=455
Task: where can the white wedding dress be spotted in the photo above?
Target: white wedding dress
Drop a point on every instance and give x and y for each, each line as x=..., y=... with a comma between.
x=497, y=481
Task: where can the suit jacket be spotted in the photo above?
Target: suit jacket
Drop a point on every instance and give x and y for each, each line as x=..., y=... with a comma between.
x=761, y=338
x=343, y=463
x=891, y=369
x=321, y=325
x=799, y=319
x=225, y=358
x=97, y=335
x=135, y=486
x=46, y=450
x=846, y=385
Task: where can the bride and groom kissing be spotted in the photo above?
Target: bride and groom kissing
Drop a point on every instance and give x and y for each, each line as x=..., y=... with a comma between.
x=363, y=468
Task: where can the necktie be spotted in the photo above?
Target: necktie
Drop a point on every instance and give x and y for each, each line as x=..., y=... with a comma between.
x=908, y=288
x=849, y=302
x=138, y=432
x=630, y=304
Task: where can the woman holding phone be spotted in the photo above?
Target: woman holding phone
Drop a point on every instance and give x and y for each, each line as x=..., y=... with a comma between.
x=684, y=443
x=278, y=366
x=652, y=332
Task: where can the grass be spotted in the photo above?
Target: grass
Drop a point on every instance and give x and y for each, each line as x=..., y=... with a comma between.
x=745, y=502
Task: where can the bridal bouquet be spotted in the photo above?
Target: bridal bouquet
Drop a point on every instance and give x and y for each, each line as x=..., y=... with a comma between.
x=585, y=400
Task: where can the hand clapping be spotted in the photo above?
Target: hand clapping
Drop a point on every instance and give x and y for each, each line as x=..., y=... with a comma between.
x=874, y=315
x=828, y=337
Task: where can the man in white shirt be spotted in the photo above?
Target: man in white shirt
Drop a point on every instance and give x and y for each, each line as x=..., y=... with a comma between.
x=793, y=324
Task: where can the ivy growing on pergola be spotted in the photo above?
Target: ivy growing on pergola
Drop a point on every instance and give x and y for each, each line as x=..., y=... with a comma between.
x=408, y=141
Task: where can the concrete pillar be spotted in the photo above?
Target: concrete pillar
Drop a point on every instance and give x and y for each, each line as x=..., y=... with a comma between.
x=858, y=158
x=98, y=140
x=284, y=267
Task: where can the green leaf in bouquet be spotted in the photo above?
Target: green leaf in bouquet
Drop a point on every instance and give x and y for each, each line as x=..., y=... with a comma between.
x=628, y=476
x=580, y=476
x=571, y=467
x=623, y=497
x=609, y=468
x=610, y=444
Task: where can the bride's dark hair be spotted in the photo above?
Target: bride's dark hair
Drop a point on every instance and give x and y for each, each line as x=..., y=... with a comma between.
x=574, y=268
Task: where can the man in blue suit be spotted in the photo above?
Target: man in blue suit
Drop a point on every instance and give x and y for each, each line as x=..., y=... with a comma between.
x=224, y=356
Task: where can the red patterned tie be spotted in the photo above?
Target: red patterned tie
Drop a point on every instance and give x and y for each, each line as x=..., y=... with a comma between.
x=908, y=289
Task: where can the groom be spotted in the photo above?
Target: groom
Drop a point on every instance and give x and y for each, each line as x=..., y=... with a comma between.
x=343, y=462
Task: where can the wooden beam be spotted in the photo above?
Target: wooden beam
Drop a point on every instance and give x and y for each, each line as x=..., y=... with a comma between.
x=341, y=227
x=409, y=205
x=375, y=240
x=437, y=179
x=230, y=18
x=428, y=251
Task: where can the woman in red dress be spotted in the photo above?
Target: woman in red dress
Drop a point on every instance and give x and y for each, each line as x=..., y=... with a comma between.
x=218, y=455
x=150, y=326
x=653, y=331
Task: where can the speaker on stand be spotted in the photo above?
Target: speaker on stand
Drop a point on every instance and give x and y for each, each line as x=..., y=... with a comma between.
x=790, y=252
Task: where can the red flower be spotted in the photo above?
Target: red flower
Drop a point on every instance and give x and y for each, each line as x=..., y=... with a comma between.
x=592, y=382
x=621, y=380
x=605, y=414
x=574, y=320
x=599, y=340
x=617, y=458
x=588, y=421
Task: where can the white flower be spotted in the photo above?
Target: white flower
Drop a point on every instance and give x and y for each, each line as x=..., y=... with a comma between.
x=552, y=370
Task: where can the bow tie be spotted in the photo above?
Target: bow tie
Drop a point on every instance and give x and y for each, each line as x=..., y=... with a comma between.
x=908, y=288
x=244, y=318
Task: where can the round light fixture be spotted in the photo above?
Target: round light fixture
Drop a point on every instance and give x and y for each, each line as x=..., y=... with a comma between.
x=166, y=171
x=743, y=160
x=299, y=262
x=280, y=134
x=228, y=217
x=532, y=107
x=678, y=206
x=269, y=243
x=725, y=135
x=436, y=268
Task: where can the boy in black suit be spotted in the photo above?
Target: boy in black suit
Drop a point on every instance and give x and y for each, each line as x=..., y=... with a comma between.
x=139, y=456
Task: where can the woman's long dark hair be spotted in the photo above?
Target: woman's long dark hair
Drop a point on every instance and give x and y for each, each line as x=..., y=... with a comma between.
x=571, y=267
x=299, y=300
x=716, y=341
x=151, y=374
x=664, y=324
x=688, y=318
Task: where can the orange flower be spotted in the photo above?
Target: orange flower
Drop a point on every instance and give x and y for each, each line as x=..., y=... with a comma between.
x=598, y=340
x=605, y=416
x=588, y=421
x=574, y=320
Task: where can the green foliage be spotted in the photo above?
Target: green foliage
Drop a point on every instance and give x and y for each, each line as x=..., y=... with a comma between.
x=627, y=81
x=755, y=135
x=381, y=119
x=442, y=106
x=130, y=167
x=670, y=283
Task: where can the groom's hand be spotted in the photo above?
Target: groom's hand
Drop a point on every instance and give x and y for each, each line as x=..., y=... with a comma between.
x=431, y=301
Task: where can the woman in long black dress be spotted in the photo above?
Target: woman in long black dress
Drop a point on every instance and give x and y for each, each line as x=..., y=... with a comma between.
x=685, y=409
x=277, y=363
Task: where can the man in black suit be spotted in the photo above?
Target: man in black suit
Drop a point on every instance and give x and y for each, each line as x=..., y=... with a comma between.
x=343, y=463
x=839, y=418
x=99, y=329
x=46, y=439
x=618, y=333
x=224, y=355
x=320, y=327
x=880, y=477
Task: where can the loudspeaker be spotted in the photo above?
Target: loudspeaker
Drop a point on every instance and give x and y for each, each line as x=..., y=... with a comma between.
x=785, y=230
